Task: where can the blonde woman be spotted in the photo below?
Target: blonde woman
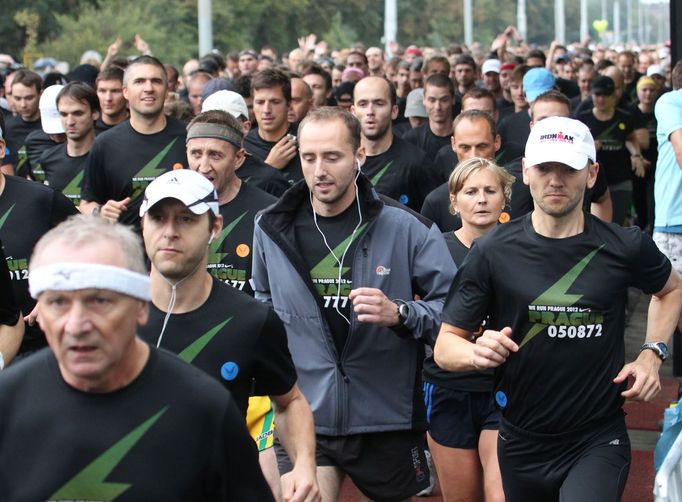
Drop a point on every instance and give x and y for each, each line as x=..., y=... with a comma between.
x=462, y=415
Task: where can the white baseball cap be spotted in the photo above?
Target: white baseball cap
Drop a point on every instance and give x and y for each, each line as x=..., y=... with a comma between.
x=655, y=69
x=227, y=101
x=185, y=185
x=560, y=139
x=49, y=115
x=491, y=65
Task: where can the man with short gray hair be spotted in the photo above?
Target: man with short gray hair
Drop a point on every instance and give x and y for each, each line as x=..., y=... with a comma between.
x=134, y=423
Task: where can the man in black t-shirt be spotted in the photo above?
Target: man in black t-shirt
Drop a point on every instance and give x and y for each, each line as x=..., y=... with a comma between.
x=27, y=211
x=396, y=168
x=274, y=141
x=26, y=86
x=11, y=323
x=112, y=102
x=130, y=156
x=342, y=266
x=618, y=150
x=554, y=285
x=134, y=423
x=62, y=166
x=439, y=98
x=229, y=335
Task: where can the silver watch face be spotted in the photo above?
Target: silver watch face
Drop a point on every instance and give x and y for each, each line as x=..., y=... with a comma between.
x=403, y=311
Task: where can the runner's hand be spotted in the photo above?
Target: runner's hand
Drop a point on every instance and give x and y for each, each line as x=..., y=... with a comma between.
x=493, y=348
x=282, y=153
x=372, y=306
x=645, y=379
x=300, y=485
x=113, y=209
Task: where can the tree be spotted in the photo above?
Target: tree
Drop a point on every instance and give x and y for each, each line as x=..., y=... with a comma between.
x=166, y=26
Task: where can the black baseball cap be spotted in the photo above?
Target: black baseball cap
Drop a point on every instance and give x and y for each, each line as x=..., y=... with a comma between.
x=603, y=85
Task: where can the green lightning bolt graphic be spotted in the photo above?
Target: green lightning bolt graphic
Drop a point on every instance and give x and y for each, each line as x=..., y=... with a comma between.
x=150, y=171
x=557, y=293
x=329, y=266
x=377, y=177
x=214, y=256
x=193, y=349
x=4, y=217
x=73, y=189
x=607, y=131
x=89, y=483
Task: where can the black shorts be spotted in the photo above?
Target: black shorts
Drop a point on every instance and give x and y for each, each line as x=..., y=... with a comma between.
x=592, y=465
x=456, y=418
x=385, y=466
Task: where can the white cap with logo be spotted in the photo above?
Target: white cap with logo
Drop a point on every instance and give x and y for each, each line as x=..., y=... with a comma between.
x=227, y=101
x=185, y=185
x=560, y=139
x=49, y=115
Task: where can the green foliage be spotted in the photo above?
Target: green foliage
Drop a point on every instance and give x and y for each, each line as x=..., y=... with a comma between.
x=339, y=33
x=97, y=26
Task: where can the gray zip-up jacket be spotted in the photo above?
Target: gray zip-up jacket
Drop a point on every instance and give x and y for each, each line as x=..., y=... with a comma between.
x=374, y=385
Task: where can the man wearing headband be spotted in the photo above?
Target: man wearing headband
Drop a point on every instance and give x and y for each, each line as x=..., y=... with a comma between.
x=117, y=419
x=554, y=285
x=229, y=335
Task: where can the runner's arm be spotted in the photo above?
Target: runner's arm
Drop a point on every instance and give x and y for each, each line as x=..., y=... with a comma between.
x=454, y=351
x=663, y=316
x=297, y=433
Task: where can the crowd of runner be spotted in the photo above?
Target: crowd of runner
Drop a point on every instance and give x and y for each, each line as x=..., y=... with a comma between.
x=409, y=269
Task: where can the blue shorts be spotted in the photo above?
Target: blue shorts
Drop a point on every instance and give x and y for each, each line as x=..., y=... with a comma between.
x=456, y=418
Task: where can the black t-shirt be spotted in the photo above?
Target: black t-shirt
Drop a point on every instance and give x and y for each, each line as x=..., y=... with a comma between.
x=259, y=174
x=403, y=173
x=16, y=131
x=101, y=126
x=470, y=381
x=229, y=256
x=9, y=309
x=424, y=138
x=613, y=157
x=63, y=172
x=27, y=211
x=446, y=161
x=123, y=162
x=514, y=131
x=37, y=142
x=257, y=146
x=564, y=300
x=171, y=434
x=233, y=338
x=323, y=261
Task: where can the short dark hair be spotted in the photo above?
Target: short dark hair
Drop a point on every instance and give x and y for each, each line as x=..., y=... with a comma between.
x=328, y=113
x=537, y=53
x=110, y=73
x=403, y=65
x=473, y=116
x=440, y=80
x=480, y=93
x=550, y=96
x=310, y=68
x=173, y=70
x=80, y=92
x=357, y=53
x=145, y=60
x=417, y=64
x=28, y=78
x=242, y=86
x=467, y=60
x=272, y=77
x=436, y=59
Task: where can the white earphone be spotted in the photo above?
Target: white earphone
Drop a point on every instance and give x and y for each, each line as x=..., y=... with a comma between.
x=210, y=239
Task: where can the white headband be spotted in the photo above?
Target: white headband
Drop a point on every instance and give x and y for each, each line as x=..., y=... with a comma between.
x=75, y=276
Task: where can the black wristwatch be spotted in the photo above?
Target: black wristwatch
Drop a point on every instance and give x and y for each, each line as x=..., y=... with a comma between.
x=403, y=311
x=660, y=348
